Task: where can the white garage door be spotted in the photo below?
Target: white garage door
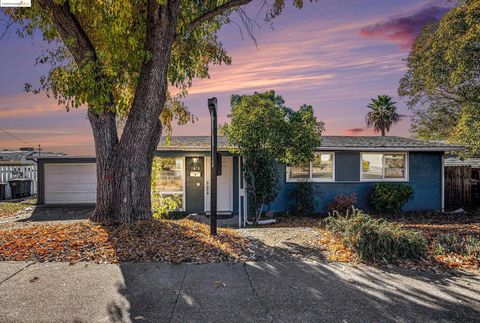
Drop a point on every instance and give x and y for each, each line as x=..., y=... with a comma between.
x=70, y=183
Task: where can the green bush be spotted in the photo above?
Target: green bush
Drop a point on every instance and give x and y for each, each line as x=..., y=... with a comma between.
x=390, y=198
x=376, y=239
x=163, y=206
x=303, y=199
x=342, y=203
x=453, y=243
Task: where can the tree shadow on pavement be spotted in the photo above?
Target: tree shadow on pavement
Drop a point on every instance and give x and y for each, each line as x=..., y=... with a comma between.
x=42, y=214
x=286, y=288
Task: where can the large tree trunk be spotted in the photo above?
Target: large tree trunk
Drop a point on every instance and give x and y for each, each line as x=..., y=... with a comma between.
x=124, y=167
x=123, y=175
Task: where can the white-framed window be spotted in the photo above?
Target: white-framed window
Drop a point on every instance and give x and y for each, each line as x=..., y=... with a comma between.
x=320, y=169
x=171, y=180
x=385, y=166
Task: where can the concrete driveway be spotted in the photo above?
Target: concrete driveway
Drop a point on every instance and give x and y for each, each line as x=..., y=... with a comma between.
x=292, y=291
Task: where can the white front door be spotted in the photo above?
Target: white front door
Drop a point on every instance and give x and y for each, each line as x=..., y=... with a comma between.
x=224, y=185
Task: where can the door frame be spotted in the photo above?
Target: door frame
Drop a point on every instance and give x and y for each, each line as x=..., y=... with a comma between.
x=207, y=187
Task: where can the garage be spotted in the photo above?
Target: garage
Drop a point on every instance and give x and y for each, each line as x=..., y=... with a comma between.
x=67, y=180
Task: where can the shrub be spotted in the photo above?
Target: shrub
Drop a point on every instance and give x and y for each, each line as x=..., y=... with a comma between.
x=342, y=203
x=303, y=199
x=163, y=206
x=390, y=198
x=376, y=239
x=453, y=243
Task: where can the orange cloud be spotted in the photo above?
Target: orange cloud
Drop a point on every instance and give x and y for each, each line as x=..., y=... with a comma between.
x=23, y=105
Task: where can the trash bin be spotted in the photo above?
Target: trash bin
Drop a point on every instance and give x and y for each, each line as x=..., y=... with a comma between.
x=3, y=187
x=20, y=187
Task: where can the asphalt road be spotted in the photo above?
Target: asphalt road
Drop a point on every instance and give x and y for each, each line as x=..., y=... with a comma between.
x=292, y=291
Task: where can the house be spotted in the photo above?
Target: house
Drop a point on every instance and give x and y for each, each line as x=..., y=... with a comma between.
x=342, y=165
x=21, y=163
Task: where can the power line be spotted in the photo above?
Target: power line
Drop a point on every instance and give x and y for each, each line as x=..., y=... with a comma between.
x=14, y=137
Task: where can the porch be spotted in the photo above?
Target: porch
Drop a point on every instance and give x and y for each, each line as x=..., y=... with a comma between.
x=185, y=178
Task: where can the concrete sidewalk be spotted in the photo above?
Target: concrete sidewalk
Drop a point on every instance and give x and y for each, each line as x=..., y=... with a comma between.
x=254, y=292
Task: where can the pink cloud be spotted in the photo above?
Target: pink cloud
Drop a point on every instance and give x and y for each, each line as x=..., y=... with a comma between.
x=358, y=132
x=402, y=30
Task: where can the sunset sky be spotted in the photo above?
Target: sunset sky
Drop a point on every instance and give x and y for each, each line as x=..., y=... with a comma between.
x=332, y=54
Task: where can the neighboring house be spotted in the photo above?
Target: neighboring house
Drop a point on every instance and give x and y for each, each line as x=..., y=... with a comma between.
x=455, y=161
x=21, y=163
x=342, y=165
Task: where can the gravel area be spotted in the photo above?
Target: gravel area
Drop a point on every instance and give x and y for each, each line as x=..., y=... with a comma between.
x=285, y=243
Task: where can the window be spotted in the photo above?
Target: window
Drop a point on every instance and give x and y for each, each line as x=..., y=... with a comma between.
x=300, y=172
x=320, y=169
x=384, y=166
x=170, y=179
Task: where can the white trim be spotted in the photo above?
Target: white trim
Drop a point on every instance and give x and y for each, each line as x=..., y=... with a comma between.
x=310, y=174
x=184, y=172
x=383, y=179
x=206, y=184
x=225, y=160
x=443, y=183
x=405, y=149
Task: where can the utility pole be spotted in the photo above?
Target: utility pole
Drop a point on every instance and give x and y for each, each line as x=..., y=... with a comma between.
x=212, y=108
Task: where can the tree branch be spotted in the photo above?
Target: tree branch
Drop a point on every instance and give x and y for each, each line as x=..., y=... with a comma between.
x=215, y=12
x=9, y=23
x=69, y=29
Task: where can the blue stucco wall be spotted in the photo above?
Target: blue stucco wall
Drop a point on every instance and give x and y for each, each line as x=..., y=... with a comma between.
x=425, y=172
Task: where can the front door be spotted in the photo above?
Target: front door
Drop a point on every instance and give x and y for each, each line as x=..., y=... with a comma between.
x=224, y=185
x=195, y=184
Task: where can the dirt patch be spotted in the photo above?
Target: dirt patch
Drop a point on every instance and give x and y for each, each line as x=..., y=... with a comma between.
x=296, y=239
x=11, y=209
x=41, y=215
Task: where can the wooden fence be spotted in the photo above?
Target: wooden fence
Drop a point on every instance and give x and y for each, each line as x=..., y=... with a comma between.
x=462, y=187
x=8, y=172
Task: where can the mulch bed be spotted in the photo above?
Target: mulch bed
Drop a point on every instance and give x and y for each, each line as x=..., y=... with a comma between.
x=429, y=223
x=156, y=240
x=433, y=225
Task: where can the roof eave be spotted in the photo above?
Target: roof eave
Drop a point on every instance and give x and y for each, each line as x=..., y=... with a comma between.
x=431, y=149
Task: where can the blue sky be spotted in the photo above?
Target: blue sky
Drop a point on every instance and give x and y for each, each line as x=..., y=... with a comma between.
x=334, y=55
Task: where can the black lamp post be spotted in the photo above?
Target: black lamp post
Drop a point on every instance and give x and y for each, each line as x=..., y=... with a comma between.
x=212, y=107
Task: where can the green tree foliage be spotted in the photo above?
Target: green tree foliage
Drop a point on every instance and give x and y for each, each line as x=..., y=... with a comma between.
x=382, y=115
x=132, y=60
x=443, y=78
x=265, y=131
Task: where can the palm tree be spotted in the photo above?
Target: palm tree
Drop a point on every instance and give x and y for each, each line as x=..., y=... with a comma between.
x=383, y=114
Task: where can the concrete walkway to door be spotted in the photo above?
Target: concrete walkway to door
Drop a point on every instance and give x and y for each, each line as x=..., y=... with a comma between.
x=293, y=291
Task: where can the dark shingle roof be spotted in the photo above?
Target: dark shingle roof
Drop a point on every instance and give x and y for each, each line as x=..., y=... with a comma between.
x=192, y=143
x=199, y=143
x=379, y=142
x=453, y=161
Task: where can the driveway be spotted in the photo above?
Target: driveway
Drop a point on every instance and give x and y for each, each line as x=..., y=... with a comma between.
x=271, y=291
